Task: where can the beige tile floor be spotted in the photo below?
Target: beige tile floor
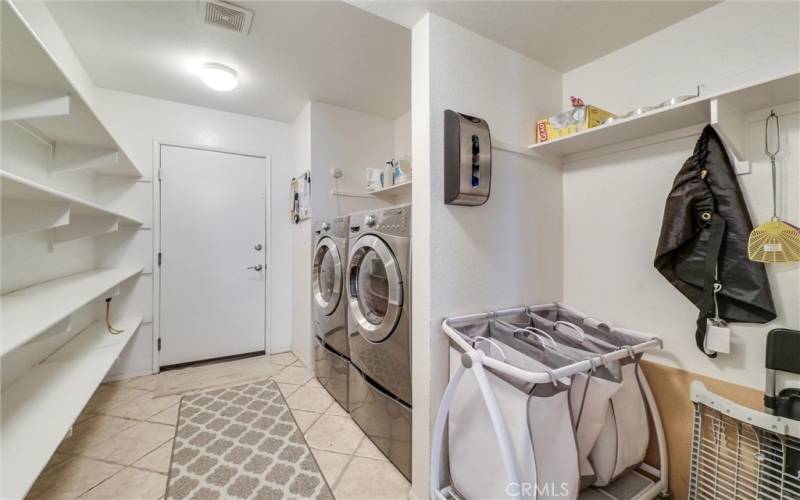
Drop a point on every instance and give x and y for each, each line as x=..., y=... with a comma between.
x=120, y=446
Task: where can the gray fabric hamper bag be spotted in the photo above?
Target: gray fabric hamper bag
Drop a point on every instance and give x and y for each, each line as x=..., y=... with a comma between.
x=622, y=441
x=590, y=394
x=537, y=416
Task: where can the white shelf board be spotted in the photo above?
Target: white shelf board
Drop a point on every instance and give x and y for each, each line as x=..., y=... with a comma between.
x=39, y=408
x=687, y=113
x=403, y=189
x=30, y=311
x=25, y=62
x=14, y=187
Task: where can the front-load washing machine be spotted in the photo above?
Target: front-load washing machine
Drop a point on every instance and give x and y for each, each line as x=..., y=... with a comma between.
x=329, y=306
x=379, y=331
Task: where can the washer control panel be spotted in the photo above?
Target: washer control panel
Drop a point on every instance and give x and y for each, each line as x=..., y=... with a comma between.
x=336, y=228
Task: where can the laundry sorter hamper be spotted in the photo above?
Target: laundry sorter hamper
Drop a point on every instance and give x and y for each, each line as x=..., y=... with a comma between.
x=740, y=453
x=525, y=422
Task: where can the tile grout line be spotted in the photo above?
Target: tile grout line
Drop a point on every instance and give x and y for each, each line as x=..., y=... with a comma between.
x=347, y=465
x=106, y=461
x=92, y=413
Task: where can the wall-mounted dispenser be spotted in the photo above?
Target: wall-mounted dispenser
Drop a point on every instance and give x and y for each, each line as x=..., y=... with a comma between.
x=467, y=159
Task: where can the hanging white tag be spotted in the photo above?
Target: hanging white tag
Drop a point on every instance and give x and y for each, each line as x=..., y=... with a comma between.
x=718, y=337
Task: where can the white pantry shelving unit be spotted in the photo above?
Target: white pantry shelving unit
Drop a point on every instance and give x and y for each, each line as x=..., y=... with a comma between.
x=29, y=312
x=39, y=409
x=29, y=207
x=724, y=110
x=37, y=96
x=54, y=146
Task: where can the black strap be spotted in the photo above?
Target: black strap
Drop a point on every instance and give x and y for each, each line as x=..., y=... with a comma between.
x=707, y=309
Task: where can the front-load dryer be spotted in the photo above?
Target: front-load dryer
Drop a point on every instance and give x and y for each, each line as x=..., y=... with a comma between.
x=329, y=306
x=379, y=302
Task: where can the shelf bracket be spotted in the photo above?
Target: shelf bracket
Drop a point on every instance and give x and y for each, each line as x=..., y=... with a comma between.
x=84, y=226
x=731, y=125
x=21, y=102
x=71, y=157
x=29, y=216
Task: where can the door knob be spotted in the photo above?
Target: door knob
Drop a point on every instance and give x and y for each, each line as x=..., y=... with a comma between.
x=258, y=246
x=257, y=267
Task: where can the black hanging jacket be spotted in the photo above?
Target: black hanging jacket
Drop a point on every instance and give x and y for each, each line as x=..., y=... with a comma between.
x=706, y=226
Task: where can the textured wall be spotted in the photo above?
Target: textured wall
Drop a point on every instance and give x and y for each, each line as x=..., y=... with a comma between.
x=470, y=259
x=614, y=201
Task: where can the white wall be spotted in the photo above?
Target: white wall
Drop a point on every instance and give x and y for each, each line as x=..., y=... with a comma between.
x=136, y=121
x=470, y=259
x=727, y=45
x=614, y=202
x=350, y=140
x=301, y=246
x=402, y=136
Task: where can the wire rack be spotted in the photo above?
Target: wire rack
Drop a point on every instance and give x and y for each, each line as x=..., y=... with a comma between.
x=740, y=453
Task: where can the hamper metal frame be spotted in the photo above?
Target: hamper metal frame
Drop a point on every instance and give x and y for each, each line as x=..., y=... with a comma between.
x=740, y=453
x=475, y=360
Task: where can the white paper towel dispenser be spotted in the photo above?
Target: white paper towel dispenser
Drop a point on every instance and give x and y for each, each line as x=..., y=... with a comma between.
x=467, y=159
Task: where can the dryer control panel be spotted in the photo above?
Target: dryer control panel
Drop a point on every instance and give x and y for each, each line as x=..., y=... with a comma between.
x=395, y=221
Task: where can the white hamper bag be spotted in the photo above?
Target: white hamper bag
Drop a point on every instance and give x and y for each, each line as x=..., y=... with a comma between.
x=537, y=416
x=623, y=440
x=590, y=396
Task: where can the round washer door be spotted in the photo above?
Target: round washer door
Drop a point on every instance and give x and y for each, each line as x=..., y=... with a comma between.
x=375, y=288
x=326, y=276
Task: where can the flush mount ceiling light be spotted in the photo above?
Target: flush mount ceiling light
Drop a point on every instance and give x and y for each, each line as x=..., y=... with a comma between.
x=219, y=77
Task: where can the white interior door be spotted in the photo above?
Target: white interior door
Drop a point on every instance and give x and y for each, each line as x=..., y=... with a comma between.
x=213, y=263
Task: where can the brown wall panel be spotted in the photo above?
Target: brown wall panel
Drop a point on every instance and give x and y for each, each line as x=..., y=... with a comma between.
x=671, y=389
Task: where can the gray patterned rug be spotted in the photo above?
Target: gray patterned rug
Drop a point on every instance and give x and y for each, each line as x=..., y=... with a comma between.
x=242, y=442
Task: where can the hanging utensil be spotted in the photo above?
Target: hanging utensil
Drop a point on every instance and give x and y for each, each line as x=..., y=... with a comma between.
x=774, y=241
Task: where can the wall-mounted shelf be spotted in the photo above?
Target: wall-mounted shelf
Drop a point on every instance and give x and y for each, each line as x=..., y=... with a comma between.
x=29, y=312
x=725, y=111
x=37, y=95
x=39, y=408
x=29, y=207
x=350, y=194
x=403, y=189
x=389, y=192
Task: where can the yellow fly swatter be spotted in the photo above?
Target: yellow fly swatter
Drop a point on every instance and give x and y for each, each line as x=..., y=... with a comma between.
x=774, y=241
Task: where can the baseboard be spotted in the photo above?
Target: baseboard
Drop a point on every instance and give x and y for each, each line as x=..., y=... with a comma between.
x=126, y=375
x=300, y=358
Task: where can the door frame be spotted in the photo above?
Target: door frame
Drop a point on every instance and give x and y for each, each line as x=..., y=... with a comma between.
x=156, y=182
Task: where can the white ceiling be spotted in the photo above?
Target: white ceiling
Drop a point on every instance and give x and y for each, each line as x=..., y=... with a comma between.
x=560, y=34
x=331, y=52
x=296, y=51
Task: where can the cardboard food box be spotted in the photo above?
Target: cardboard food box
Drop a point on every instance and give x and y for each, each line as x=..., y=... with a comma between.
x=570, y=122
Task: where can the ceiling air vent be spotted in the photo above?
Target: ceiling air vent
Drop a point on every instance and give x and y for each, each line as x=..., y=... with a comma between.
x=228, y=16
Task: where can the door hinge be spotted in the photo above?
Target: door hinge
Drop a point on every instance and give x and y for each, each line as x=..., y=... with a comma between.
x=159, y=259
x=159, y=343
x=159, y=174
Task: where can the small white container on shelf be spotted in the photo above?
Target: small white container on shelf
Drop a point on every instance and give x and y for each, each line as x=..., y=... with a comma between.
x=374, y=179
x=388, y=174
